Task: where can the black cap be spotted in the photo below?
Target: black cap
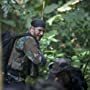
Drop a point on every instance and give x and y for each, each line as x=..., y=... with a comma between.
x=38, y=23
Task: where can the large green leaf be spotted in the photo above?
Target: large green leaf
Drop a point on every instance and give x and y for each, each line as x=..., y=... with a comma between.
x=8, y=22
x=28, y=22
x=50, y=21
x=50, y=8
x=68, y=6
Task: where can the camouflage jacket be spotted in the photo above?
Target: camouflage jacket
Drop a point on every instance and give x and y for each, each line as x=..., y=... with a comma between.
x=26, y=47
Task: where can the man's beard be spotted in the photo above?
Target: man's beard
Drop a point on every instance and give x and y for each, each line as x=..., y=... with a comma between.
x=39, y=37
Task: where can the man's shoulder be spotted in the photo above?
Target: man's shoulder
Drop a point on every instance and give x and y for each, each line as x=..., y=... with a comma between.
x=25, y=38
x=22, y=40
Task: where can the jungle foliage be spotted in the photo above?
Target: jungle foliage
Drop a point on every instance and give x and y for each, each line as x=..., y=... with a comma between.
x=68, y=27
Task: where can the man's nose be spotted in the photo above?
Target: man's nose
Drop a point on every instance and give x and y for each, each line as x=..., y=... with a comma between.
x=41, y=33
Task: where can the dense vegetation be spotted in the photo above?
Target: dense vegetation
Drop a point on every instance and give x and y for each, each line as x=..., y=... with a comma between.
x=68, y=27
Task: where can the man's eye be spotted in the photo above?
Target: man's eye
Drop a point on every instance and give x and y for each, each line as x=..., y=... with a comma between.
x=40, y=30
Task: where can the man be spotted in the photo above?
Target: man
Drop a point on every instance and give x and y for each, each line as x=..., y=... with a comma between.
x=70, y=77
x=26, y=55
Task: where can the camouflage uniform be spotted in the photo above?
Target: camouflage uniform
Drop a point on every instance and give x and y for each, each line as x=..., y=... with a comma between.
x=25, y=58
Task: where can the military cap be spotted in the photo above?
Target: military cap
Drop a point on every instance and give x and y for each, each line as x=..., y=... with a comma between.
x=38, y=23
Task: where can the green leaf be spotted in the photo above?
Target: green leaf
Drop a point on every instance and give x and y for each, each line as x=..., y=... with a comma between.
x=28, y=22
x=74, y=57
x=68, y=6
x=50, y=21
x=60, y=55
x=8, y=22
x=50, y=8
x=54, y=40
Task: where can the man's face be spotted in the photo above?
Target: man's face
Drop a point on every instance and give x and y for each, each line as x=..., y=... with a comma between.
x=38, y=32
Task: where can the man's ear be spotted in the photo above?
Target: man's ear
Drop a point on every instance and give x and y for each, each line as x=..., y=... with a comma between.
x=32, y=28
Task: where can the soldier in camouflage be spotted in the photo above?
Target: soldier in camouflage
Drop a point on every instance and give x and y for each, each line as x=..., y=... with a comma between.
x=26, y=55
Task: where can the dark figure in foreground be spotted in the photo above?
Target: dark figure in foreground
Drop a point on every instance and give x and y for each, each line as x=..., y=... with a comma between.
x=26, y=56
x=68, y=76
x=40, y=85
x=48, y=85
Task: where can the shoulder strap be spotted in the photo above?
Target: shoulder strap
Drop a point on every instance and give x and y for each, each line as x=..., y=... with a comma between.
x=21, y=35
